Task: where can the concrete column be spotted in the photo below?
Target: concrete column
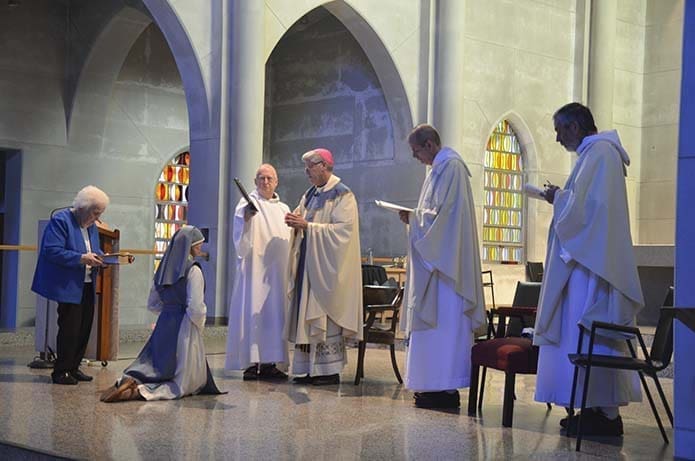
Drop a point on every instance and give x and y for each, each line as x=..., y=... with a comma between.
x=241, y=146
x=684, y=340
x=604, y=14
x=447, y=109
x=247, y=89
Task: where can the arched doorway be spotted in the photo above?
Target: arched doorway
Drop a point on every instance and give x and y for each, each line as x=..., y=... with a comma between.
x=325, y=88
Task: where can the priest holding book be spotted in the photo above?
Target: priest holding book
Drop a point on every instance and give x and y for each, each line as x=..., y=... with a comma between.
x=444, y=296
x=590, y=274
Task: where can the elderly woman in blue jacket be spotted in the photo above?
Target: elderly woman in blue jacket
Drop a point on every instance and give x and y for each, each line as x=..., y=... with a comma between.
x=68, y=261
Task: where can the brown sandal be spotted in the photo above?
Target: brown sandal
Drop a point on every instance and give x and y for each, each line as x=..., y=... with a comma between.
x=109, y=394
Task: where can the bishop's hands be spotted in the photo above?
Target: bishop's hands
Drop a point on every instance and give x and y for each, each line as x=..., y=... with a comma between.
x=296, y=221
x=405, y=216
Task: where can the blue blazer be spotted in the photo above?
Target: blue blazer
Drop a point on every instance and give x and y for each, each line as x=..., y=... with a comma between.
x=59, y=274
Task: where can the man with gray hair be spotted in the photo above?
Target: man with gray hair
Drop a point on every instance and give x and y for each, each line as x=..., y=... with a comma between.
x=325, y=282
x=66, y=269
x=444, y=294
x=590, y=274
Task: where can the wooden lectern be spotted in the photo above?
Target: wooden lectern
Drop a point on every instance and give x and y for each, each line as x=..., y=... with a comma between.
x=106, y=311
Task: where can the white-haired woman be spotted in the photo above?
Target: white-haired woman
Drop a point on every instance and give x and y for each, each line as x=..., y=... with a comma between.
x=68, y=260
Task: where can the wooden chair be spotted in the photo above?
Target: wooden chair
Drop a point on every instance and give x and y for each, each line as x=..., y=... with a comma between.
x=512, y=355
x=489, y=283
x=377, y=301
x=373, y=274
x=654, y=361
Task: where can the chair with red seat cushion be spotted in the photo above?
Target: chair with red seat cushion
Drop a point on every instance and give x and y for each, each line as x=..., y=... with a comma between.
x=512, y=355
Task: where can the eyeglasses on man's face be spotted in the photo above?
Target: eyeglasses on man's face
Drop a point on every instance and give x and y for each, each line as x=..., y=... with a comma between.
x=311, y=165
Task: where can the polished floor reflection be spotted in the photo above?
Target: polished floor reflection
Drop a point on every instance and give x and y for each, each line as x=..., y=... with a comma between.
x=259, y=420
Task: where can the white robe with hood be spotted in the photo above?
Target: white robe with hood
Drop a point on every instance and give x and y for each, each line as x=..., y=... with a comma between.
x=444, y=301
x=590, y=274
x=259, y=299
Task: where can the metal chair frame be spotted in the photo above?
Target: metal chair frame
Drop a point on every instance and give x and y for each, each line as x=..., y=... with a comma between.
x=654, y=361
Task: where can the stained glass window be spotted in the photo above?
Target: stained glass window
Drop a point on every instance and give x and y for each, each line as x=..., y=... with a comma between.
x=504, y=202
x=171, y=202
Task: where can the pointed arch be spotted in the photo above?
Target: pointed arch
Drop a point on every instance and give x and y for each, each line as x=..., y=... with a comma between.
x=171, y=201
x=523, y=133
x=105, y=59
x=200, y=117
x=379, y=57
x=382, y=61
x=504, y=216
x=89, y=103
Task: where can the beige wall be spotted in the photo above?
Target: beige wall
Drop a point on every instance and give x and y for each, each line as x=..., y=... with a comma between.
x=661, y=94
x=522, y=59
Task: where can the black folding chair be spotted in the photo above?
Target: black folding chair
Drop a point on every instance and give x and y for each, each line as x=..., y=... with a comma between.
x=654, y=361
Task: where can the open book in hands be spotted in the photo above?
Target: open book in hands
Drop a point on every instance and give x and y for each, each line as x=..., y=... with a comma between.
x=392, y=206
x=534, y=192
x=252, y=206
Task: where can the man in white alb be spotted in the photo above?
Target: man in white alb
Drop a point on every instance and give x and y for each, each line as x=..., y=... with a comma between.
x=444, y=294
x=590, y=274
x=325, y=285
x=255, y=340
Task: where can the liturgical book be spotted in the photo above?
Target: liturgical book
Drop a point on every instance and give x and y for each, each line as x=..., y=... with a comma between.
x=392, y=206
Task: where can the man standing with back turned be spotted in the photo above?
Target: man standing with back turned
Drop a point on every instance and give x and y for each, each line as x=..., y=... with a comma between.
x=444, y=292
x=590, y=274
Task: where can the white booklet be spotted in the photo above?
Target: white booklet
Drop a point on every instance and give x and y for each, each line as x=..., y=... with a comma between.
x=533, y=191
x=392, y=206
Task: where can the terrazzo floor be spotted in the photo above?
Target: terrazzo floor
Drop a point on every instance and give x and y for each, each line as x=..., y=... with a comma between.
x=260, y=420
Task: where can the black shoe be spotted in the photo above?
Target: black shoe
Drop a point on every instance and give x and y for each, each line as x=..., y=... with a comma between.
x=325, y=380
x=251, y=373
x=589, y=413
x=63, y=378
x=80, y=376
x=596, y=423
x=434, y=395
x=269, y=372
x=441, y=399
x=563, y=421
x=308, y=379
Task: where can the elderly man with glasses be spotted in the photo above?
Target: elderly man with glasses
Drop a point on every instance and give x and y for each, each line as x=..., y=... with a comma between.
x=325, y=274
x=255, y=341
